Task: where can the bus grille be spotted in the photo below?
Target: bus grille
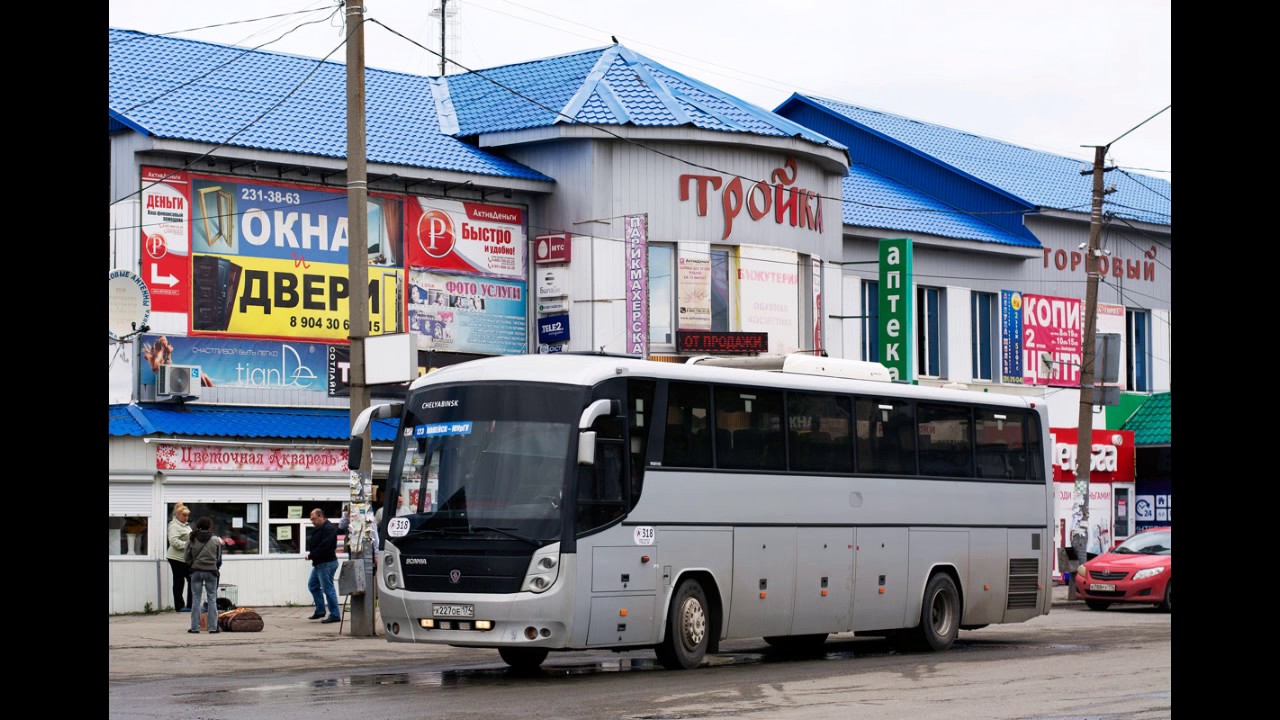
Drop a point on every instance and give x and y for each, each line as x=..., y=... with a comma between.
x=491, y=574
x=1024, y=582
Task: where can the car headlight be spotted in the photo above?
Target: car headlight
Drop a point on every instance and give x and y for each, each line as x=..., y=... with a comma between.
x=1149, y=572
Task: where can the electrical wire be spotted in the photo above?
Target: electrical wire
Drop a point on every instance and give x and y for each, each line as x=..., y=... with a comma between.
x=250, y=124
x=218, y=25
x=1135, y=127
x=1153, y=191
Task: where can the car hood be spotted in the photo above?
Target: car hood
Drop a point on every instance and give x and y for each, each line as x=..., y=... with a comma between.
x=1126, y=562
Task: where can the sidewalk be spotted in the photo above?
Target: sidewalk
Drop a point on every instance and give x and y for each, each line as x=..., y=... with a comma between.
x=156, y=646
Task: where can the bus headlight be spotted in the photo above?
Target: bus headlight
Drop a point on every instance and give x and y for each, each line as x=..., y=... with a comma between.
x=544, y=568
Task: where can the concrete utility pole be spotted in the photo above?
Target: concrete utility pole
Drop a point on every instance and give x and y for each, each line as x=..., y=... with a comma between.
x=358, y=272
x=1084, y=441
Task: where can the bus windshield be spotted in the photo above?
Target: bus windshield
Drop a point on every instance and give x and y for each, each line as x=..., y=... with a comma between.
x=487, y=459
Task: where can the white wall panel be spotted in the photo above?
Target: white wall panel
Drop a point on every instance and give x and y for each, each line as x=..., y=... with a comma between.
x=1161, y=349
x=959, y=363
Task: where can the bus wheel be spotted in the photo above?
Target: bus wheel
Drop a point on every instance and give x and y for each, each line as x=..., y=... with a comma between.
x=523, y=658
x=939, y=614
x=687, y=628
x=798, y=643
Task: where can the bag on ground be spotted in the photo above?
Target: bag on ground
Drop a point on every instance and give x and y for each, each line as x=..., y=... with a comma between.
x=240, y=620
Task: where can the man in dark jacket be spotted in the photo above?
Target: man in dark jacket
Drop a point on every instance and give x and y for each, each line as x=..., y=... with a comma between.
x=323, y=554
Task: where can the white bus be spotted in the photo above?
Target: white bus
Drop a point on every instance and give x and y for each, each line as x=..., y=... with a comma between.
x=574, y=501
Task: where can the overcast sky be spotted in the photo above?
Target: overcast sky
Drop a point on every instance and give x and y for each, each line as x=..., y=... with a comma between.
x=1044, y=74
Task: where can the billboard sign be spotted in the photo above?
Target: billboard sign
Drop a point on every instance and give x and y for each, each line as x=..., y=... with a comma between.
x=239, y=363
x=554, y=248
x=465, y=237
x=460, y=313
x=896, y=303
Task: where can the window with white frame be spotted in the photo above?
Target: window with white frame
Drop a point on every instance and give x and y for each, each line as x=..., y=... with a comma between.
x=870, y=320
x=289, y=524
x=236, y=523
x=986, y=336
x=720, y=290
x=127, y=535
x=1137, y=325
x=930, y=338
x=662, y=294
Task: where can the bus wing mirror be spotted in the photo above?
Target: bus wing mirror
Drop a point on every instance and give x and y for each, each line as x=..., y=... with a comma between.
x=587, y=448
x=600, y=407
x=358, y=428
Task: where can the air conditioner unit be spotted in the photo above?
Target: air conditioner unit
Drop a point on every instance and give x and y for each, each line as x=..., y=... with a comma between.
x=180, y=381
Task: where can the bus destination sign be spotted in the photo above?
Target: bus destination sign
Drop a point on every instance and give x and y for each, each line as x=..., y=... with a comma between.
x=727, y=343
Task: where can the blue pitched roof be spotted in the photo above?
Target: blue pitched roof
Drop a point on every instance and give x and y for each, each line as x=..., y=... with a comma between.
x=1040, y=178
x=606, y=86
x=874, y=200
x=189, y=90
x=240, y=422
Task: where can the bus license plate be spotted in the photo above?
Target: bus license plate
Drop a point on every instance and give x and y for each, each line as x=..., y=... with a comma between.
x=1100, y=587
x=453, y=610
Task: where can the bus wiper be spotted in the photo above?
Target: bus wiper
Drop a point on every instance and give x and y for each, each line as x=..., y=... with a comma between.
x=508, y=533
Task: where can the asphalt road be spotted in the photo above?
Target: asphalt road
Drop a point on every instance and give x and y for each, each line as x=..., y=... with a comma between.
x=1072, y=664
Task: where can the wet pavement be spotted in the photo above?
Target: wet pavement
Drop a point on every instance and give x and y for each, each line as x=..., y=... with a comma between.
x=147, y=647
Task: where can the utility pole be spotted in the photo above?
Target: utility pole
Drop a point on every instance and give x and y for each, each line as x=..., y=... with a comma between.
x=1084, y=440
x=444, y=15
x=358, y=293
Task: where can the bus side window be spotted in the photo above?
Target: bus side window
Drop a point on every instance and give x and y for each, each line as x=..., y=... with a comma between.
x=687, y=436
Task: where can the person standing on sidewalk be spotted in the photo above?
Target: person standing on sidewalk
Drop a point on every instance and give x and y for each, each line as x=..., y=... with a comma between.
x=179, y=532
x=204, y=554
x=322, y=551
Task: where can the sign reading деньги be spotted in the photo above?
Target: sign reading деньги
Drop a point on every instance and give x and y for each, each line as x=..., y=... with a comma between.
x=895, y=320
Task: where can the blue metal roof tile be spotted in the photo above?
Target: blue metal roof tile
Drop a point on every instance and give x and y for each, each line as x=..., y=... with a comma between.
x=874, y=200
x=189, y=90
x=1040, y=178
x=239, y=422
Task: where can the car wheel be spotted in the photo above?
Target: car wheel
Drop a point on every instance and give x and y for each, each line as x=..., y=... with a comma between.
x=1167, y=605
x=524, y=659
x=688, y=628
x=1097, y=604
x=939, y=615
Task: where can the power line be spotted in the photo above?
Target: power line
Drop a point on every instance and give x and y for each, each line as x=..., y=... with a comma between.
x=1135, y=127
x=218, y=25
x=230, y=61
x=1131, y=177
x=250, y=124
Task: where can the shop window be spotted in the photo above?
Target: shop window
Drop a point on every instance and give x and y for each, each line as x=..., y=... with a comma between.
x=870, y=321
x=929, y=332
x=1138, y=350
x=985, y=335
x=662, y=295
x=127, y=535
x=236, y=523
x=720, y=290
x=289, y=527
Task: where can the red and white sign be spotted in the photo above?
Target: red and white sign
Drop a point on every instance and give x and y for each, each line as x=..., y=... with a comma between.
x=465, y=237
x=1112, y=459
x=1051, y=326
x=554, y=248
x=166, y=254
x=252, y=459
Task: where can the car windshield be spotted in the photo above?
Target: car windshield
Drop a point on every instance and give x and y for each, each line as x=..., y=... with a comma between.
x=1147, y=543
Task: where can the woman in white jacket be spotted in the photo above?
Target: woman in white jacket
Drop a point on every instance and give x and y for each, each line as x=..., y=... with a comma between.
x=179, y=534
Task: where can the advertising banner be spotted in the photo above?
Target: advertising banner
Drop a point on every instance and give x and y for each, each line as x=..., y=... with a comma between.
x=232, y=363
x=693, y=278
x=897, y=318
x=1100, y=534
x=1112, y=458
x=769, y=295
x=1011, y=337
x=636, y=238
x=553, y=328
x=816, y=263
x=554, y=248
x=270, y=260
x=723, y=343
x=1051, y=325
x=465, y=237
x=166, y=251
x=462, y=313
x=339, y=371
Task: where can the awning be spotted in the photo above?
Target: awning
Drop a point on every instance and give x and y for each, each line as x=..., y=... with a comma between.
x=230, y=421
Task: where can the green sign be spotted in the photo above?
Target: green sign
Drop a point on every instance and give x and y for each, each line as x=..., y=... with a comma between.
x=896, y=304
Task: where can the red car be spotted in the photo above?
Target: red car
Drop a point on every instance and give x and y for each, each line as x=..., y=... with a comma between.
x=1136, y=571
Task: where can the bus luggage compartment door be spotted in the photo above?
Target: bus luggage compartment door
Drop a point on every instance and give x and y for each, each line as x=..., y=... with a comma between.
x=764, y=581
x=621, y=619
x=824, y=581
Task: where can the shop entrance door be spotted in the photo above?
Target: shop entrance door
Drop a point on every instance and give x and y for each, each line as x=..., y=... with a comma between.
x=1122, y=498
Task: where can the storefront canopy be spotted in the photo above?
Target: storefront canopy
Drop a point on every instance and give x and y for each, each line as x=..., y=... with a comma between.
x=239, y=422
